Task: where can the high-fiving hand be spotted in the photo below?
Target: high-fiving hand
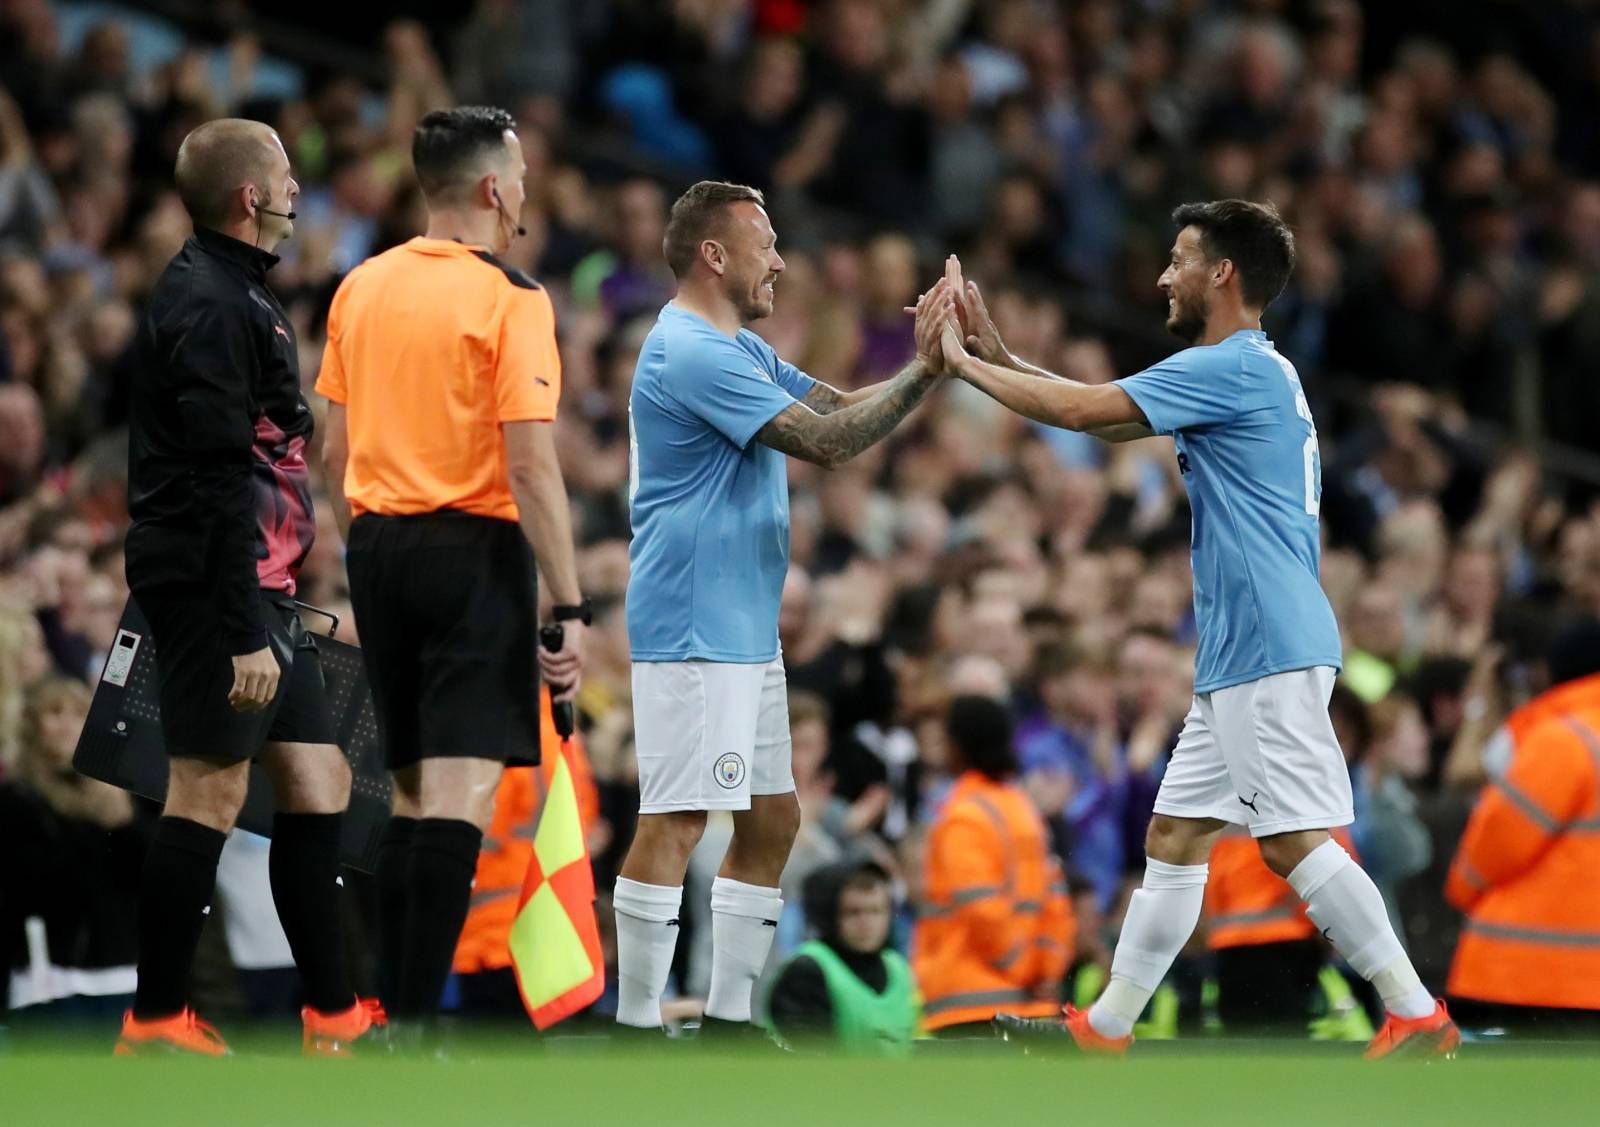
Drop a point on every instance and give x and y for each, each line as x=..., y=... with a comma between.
x=982, y=337
x=938, y=317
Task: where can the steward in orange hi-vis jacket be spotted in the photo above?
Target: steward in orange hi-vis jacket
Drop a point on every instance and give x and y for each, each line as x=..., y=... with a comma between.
x=1526, y=871
x=996, y=932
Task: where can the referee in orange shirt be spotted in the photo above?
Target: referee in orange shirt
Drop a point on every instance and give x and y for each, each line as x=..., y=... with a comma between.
x=442, y=377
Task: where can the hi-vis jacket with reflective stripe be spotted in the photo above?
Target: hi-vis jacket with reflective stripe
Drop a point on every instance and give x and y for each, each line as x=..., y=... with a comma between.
x=1247, y=904
x=1528, y=870
x=503, y=859
x=996, y=933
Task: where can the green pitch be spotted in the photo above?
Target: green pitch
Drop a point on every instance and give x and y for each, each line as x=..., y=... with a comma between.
x=491, y=1082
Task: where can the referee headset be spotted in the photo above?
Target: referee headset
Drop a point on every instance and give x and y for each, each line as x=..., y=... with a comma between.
x=506, y=213
x=262, y=209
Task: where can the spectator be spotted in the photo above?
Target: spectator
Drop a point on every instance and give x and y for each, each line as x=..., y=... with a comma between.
x=84, y=844
x=1073, y=764
x=847, y=987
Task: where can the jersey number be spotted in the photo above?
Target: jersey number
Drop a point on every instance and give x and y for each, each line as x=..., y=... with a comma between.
x=633, y=458
x=1311, y=454
x=1313, y=457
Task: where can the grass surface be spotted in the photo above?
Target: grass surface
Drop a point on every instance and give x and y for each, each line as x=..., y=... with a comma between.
x=490, y=1082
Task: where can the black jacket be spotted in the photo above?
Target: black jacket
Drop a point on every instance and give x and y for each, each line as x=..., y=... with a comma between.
x=217, y=482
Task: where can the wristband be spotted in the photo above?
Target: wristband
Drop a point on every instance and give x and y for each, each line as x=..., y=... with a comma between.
x=574, y=612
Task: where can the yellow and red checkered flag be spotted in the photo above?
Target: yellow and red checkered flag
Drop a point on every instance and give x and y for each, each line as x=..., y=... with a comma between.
x=555, y=940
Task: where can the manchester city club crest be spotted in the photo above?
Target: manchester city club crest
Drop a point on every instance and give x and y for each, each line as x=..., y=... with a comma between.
x=729, y=770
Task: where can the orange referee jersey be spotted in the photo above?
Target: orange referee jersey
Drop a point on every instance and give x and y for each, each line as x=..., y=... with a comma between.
x=431, y=346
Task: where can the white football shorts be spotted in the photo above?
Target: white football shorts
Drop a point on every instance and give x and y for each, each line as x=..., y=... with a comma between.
x=710, y=734
x=1262, y=754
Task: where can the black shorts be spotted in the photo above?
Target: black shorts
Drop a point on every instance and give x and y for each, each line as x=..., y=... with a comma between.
x=196, y=675
x=447, y=608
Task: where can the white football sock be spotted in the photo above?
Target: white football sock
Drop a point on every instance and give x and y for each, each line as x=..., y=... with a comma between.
x=1161, y=917
x=647, y=934
x=1344, y=903
x=744, y=920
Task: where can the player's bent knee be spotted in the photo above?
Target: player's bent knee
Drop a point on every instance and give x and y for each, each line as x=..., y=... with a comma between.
x=1180, y=841
x=1284, y=852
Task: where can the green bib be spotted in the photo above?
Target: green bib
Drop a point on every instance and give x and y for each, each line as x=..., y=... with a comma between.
x=864, y=1020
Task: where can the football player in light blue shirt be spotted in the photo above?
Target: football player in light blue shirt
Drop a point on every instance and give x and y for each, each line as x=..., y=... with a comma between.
x=712, y=413
x=1257, y=748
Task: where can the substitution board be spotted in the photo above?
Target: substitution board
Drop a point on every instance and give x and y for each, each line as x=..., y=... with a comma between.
x=122, y=743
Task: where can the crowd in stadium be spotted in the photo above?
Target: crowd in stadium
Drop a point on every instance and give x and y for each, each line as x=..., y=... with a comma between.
x=1445, y=315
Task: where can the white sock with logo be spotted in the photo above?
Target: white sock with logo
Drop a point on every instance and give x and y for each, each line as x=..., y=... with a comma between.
x=744, y=920
x=647, y=935
x=1162, y=914
x=1348, y=908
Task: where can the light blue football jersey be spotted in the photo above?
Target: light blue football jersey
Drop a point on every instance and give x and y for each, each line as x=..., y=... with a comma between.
x=709, y=506
x=1247, y=446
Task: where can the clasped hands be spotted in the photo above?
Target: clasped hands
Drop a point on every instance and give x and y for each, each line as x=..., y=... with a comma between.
x=953, y=325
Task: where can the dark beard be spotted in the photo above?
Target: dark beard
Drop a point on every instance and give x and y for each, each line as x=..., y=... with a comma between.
x=1187, y=323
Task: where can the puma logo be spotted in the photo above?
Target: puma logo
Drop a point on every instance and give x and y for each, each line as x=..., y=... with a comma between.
x=1250, y=802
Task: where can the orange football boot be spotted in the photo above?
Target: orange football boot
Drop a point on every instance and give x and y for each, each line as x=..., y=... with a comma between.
x=334, y=1035
x=183, y=1032
x=1433, y=1036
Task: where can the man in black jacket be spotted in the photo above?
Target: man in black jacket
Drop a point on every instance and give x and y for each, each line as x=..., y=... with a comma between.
x=221, y=504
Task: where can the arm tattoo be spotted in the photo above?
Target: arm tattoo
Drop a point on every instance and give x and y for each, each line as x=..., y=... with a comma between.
x=823, y=399
x=833, y=439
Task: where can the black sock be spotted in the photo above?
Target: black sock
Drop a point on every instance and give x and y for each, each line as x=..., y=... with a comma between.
x=304, y=866
x=180, y=870
x=394, y=864
x=444, y=855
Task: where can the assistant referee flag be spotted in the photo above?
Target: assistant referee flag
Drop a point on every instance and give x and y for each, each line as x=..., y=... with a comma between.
x=555, y=941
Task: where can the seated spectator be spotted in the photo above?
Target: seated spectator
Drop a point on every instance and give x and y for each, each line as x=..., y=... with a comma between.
x=847, y=986
x=1072, y=763
x=1385, y=759
x=67, y=914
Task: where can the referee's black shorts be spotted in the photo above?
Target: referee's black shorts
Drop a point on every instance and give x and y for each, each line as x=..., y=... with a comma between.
x=446, y=605
x=196, y=676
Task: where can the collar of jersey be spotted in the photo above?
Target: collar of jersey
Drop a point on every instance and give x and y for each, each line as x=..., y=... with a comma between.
x=424, y=245
x=252, y=260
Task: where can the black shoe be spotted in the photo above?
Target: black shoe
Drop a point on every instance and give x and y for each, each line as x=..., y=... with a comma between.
x=1069, y=1031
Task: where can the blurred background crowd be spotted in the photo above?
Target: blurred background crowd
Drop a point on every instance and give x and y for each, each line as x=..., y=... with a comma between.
x=1440, y=163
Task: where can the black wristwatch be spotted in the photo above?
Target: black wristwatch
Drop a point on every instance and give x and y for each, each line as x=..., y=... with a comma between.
x=574, y=612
